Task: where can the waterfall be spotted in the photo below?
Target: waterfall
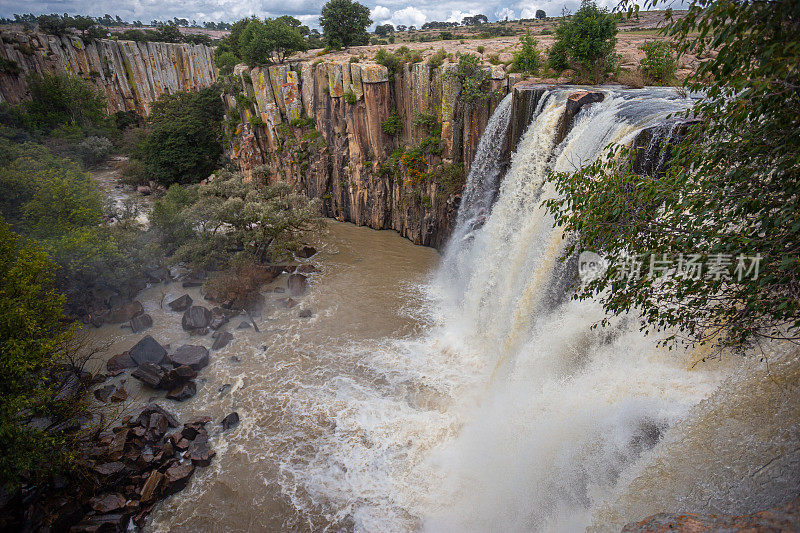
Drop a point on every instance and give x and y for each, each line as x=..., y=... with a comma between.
x=510, y=412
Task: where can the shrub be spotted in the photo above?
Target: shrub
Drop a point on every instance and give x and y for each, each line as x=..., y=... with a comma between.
x=93, y=150
x=481, y=49
x=526, y=59
x=659, y=63
x=393, y=125
x=585, y=42
x=58, y=100
x=472, y=78
x=437, y=59
x=350, y=97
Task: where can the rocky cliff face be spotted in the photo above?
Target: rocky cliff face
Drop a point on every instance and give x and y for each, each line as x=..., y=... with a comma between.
x=132, y=75
x=385, y=151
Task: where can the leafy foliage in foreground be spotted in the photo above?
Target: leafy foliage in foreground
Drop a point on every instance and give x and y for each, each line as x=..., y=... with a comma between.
x=230, y=219
x=731, y=187
x=34, y=335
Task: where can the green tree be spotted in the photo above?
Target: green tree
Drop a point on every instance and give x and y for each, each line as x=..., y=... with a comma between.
x=344, y=23
x=585, y=42
x=262, y=41
x=730, y=188
x=526, y=59
x=659, y=63
x=540, y=14
x=64, y=99
x=184, y=142
x=384, y=30
x=34, y=335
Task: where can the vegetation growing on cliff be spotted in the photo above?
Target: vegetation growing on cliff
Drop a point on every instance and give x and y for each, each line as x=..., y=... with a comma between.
x=729, y=194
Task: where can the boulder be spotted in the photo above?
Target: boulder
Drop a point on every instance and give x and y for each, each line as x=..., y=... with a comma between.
x=230, y=421
x=103, y=522
x=183, y=392
x=306, y=251
x=144, y=190
x=176, y=477
x=144, y=416
x=306, y=269
x=191, y=355
x=158, y=274
x=141, y=322
x=108, y=503
x=119, y=362
x=181, y=304
x=244, y=324
x=217, y=321
x=123, y=313
x=298, y=284
x=199, y=451
x=178, y=376
x=222, y=339
x=305, y=313
x=150, y=374
x=104, y=393
x=224, y=389
x=147, y=350
x=288, y=303
x=150, y=492
x=109, y=469
x=196, y=317
x=120, y=395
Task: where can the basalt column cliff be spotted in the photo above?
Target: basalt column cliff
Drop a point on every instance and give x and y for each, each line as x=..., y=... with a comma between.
x=132, y=75
x=381, y=149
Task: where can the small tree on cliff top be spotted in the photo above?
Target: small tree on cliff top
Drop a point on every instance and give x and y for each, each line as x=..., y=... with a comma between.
x=344, y=23
x=585, y=42
x=730, y=190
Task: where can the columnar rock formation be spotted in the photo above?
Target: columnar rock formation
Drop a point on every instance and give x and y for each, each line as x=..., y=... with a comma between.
x=386, y=151
x=132, y=75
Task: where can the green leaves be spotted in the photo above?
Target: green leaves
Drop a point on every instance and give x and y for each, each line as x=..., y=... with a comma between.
x=585, y=42
x=344, y=23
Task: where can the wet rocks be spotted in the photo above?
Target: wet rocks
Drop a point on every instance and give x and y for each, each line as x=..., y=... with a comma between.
x=306, y=269
x=141, y=322
x=191, y=355
x=219, y=317
x=120, y=362
x=306, y=251
x=123, y=313
x=108, y=503
x=199, y=451
x=244, y=324
x=298, y=284
x=103, y=394
x=181, y=304
x=178, y=376
x=120, y=395
x=221, y=339
x=230, y=421
x=195, y=318
x=305, y=313
x=183, y=392
x=288, y=303
x=150, y=374
x=147, y=350
x=176, y=477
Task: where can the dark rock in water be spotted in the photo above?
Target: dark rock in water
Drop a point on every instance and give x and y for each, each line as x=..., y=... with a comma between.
x=155, y=408
x=178, y=376
x=306, y=269
x=305, y=313
x=108, y=503
x=244, y=324
x=104, y=393
x=150, y=374
x=224, y=389
x=230, y=421
x=177, y=476
x=103, y=522
x=150, y=489
x=147, y=350
x=222, y=340
x=120, y=395
x=288, y=303
x=141, y=322
x=199, y=451
x=196, y=317
x=306, y=251
x=109, y=469
x=202, y=332
x=191, y=355
x=278, y=290
x=298, y=284
x=234, y=359
x=123, y=313
x=217, y=321
x=183, y=392
x=157, y=425
x=181, y=304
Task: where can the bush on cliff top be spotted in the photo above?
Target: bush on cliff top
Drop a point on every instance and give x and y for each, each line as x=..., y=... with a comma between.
x=585, y=43
x=344, y=23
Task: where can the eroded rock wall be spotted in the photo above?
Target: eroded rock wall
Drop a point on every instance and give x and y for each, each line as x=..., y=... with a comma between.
x=385, y=151
x=132, y=75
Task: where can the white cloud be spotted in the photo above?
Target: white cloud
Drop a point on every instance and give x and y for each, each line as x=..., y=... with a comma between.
x=380, y=14
x=505, y=13
x=410, y=16
x=528, y=13
x=458, y=15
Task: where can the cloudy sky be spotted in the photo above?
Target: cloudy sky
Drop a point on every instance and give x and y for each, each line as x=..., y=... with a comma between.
x=396, y=12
